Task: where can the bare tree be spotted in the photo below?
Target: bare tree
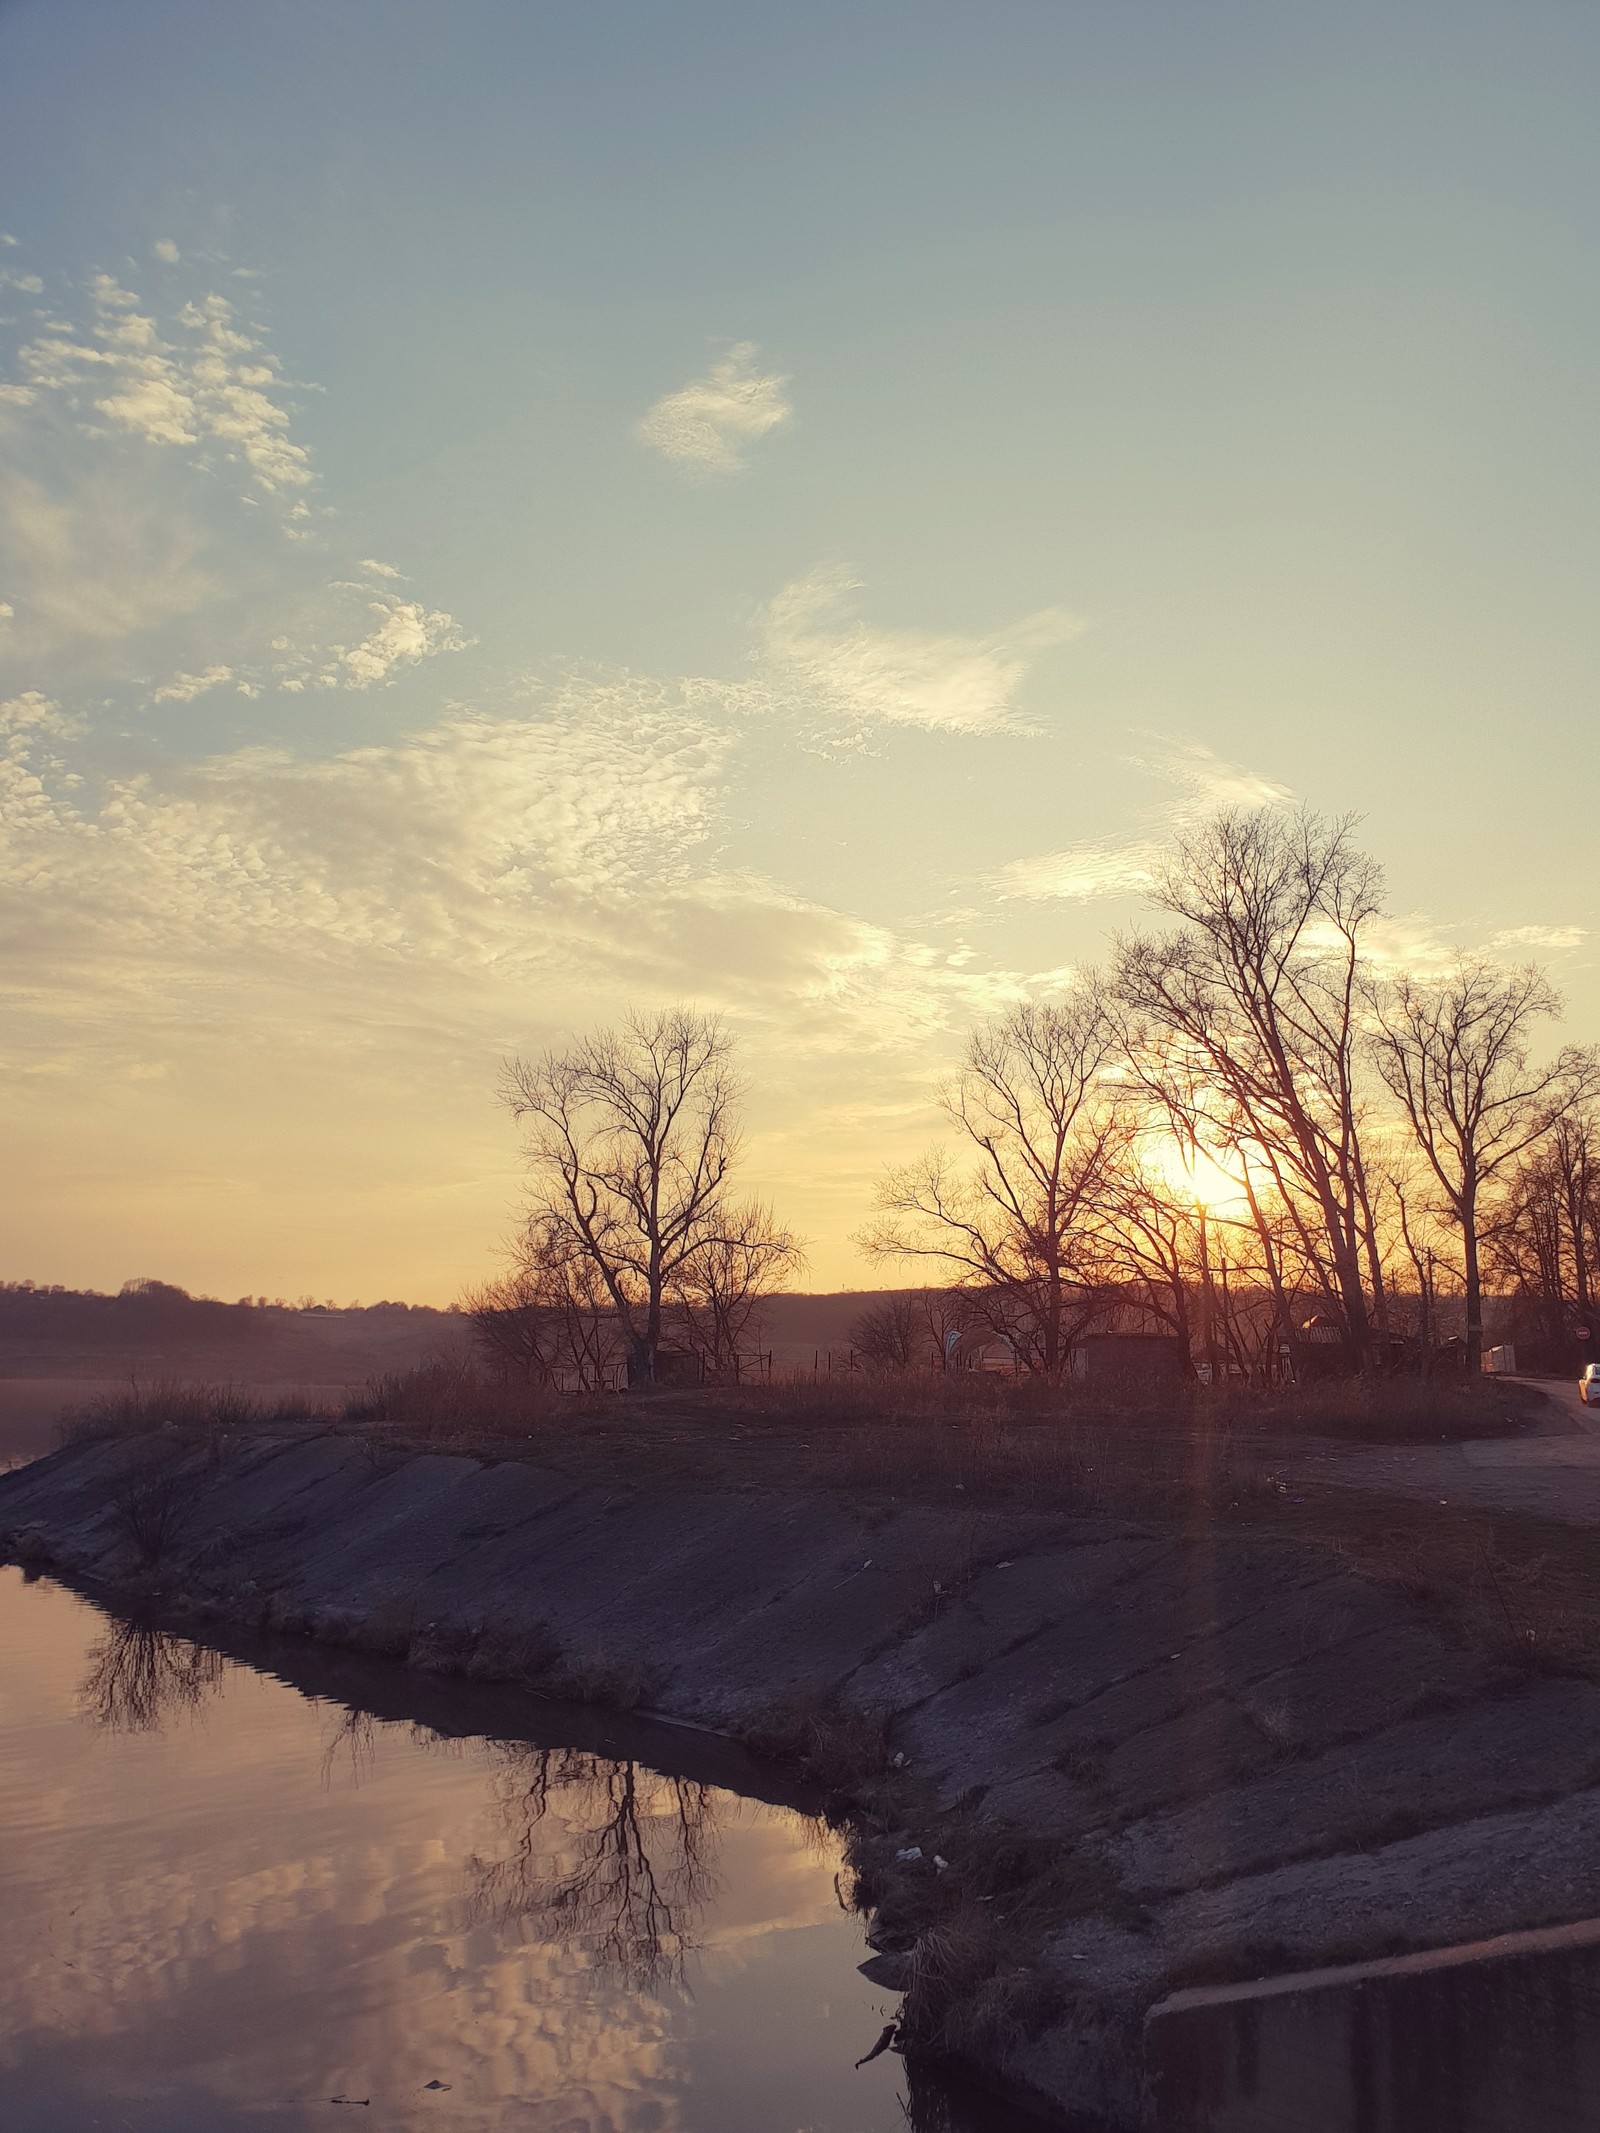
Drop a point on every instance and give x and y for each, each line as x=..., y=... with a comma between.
x=550, y=1313
x=631, y=1136
x=1013, y=1222
x=1455, y=1053
x=1246, y=1021
x=718, y=1290
x=891, y=1334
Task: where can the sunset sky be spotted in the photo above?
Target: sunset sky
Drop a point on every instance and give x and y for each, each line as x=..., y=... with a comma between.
x=513, y=510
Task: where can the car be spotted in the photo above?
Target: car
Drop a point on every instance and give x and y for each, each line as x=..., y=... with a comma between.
x=1589, y=1385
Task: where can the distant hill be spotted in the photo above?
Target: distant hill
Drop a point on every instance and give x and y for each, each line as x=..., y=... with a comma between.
x=152, y=1328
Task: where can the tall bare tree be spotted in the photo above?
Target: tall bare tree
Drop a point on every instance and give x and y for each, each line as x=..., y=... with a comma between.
x=631, y=1136
x=1246, y=1017
x=1456, y=1054
x=1011, y=1218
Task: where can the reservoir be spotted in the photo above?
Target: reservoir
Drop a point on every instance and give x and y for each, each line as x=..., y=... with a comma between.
x=234, y=1900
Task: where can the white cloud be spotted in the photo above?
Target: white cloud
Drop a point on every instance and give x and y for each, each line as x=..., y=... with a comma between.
x=407, y=633
x=707, y=425
x=124, y=557
x=210, y=384
x=1554, y=938
x=948, y=683
x=166, y=250
x=1209, y=781
x=184, y=688
x=1082, y=874
x=558, y=863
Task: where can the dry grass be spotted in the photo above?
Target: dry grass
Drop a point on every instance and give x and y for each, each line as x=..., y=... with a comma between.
x=933, y=1439
x=839, y=1747
x=973, y=1913
x=177, y=1404
x=448, y=1399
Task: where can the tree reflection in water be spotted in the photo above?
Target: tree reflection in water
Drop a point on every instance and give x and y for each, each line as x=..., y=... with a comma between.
x=140, y=1676
x=625, y=1871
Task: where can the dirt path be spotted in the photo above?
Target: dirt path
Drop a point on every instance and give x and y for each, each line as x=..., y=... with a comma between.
x=1551, y=1471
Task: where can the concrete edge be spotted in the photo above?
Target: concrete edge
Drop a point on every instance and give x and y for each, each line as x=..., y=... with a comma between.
x=1541, y=1940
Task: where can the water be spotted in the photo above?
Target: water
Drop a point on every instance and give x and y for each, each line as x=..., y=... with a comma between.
x=284, y=1888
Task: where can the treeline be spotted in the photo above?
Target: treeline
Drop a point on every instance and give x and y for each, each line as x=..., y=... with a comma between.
x=153, y=1314
x=1254, y=1130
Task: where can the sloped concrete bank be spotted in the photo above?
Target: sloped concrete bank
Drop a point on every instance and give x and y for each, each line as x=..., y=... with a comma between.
x=1248, y=1758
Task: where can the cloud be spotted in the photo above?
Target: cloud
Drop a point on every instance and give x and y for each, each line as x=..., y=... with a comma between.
x=1082, y=874
x=559, y=863
x=205, y=382
x=184, y=688
x=407, y=633
x=1086, y=873
x=1554, y=938
x=166, y=251
x=1207, y=780
x=95, y=560
x=122, y=554
x=706, y=426
x=953, y=684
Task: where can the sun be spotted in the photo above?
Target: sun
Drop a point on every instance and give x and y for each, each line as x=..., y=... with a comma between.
x=1190, y=1173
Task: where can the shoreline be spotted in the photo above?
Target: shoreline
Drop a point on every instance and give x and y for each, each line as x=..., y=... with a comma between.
x=1133, y=1740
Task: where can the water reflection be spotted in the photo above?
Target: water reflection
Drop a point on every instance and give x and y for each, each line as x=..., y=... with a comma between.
x=628, y=1874
x=601, y=1854
x=218, y=1926
x=140, y=1676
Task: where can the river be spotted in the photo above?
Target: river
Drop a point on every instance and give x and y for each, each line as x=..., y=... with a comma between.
x=276, y=1888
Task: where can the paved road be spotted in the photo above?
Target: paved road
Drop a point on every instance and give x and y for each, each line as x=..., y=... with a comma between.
x=1550, y=1471
x=1565, y=1394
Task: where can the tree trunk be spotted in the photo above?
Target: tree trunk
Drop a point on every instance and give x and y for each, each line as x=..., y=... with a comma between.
x=1474, y=1284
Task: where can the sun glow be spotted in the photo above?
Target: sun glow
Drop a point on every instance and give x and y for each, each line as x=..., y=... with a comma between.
x=1192, y=1174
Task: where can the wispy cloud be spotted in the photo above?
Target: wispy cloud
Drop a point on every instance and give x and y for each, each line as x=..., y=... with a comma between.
x=126, y=562
x=708, y=425
x=1086, y=873
x=1554, y=938
x=842, y=669
x=555, y=863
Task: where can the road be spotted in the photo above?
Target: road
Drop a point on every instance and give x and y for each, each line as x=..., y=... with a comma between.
x=1549, y=1471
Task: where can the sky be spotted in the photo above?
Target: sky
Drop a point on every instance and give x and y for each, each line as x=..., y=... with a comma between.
x=511, y=512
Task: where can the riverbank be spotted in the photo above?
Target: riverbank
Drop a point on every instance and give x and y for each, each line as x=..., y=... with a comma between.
x=1159, y=1739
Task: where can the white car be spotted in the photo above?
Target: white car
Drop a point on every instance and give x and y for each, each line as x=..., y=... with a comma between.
x=1589, y=1385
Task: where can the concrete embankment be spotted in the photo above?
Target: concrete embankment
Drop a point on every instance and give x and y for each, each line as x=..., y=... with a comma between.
x=1270, y=1762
